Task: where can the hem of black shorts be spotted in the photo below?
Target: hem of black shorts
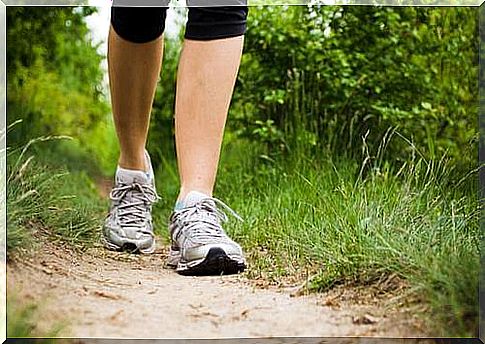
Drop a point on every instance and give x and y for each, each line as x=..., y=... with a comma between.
x=219, y=33
x=136, y=40
x=213, y=38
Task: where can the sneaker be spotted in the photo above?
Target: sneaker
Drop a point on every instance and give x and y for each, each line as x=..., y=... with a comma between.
x=199, y=244
x=128, y=225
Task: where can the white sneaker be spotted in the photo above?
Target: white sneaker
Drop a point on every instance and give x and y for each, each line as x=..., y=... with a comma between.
x=199, y=244
x=128, y=225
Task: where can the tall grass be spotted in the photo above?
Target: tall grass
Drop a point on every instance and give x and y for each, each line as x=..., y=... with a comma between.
x=357, y=222
x=48, y=201
x=350, y=218
x=345, y=220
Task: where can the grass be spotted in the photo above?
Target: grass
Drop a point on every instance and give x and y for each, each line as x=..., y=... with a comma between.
x=345, y=220
x=49, y=200
x=23, y=319
x=45, y=200
x=353, y=222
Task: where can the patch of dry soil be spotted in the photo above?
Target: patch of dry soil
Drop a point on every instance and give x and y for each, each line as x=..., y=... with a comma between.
x=108, y=294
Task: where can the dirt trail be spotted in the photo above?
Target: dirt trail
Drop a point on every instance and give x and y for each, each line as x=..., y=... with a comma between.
x=108, y=294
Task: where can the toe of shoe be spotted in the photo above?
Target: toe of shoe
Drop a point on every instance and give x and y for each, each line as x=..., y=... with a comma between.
x=120, y=237
x=200, y=252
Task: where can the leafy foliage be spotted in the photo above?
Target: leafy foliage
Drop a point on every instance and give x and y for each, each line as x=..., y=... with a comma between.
x=53, y=71
x=325, y=76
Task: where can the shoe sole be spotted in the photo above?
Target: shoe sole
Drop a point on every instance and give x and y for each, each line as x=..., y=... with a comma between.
x=129, y=247
x=217, y=262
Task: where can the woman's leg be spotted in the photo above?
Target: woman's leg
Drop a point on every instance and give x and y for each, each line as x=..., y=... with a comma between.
x=134, y=57
x=135, y=49
x=206, y=77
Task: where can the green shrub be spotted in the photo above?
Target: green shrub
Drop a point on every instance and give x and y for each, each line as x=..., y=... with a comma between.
x=325, y=76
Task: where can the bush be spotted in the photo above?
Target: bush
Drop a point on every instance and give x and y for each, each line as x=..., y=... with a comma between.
x=55, y=76
x=324, y=76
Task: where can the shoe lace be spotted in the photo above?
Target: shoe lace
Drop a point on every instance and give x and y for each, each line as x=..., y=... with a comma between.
x=201, y=223
x=133, y=201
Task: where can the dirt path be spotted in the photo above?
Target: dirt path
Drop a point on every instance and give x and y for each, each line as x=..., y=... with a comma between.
x=108, y=294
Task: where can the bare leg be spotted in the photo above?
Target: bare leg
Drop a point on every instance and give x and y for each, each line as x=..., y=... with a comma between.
x=134, y=69
x=206, y=76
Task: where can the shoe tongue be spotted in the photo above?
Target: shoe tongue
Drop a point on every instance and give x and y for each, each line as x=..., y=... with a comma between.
x=192, y=198
x=126, y=176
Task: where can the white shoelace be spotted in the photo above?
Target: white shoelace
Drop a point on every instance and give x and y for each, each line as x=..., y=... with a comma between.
x=201, y=223
x=133, y=202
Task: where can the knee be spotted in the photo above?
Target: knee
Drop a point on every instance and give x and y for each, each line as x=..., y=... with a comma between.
x=209, y=23
x=138, y=24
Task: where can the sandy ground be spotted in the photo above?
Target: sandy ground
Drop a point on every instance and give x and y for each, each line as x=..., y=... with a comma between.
x=106, y=294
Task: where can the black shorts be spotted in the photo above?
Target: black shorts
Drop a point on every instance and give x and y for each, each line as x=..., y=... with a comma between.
x=144, y=24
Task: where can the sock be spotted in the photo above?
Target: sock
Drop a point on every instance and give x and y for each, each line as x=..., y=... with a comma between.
x=129, y=176
x=191, y=199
